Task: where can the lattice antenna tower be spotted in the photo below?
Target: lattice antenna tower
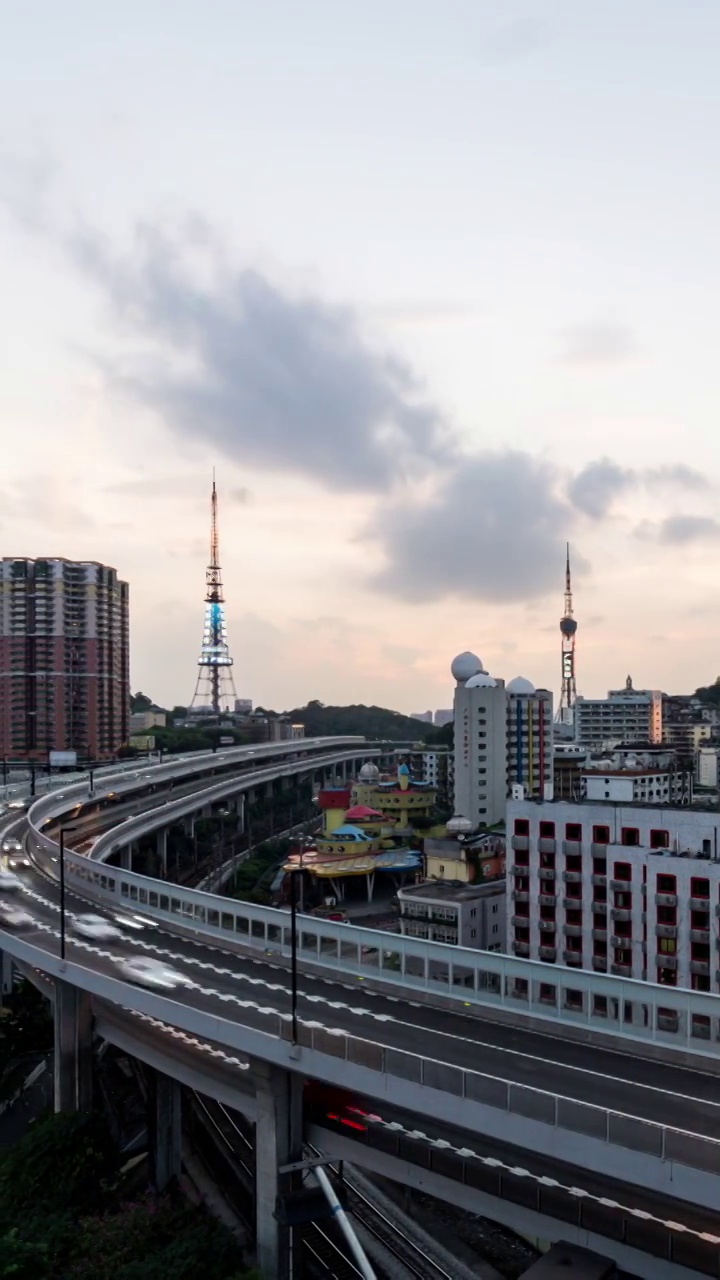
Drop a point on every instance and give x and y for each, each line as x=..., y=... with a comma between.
x=215, y=688
x=568, y=631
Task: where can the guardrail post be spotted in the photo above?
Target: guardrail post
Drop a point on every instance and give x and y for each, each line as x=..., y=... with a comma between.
x=73, y=1048
x=278, y=1141
x=164, y=1128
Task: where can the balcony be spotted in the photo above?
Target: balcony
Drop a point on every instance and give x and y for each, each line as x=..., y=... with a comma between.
x=547, y=926
x=667, y=931
x=700, y=935
x=521, y=948
x=546, y=845
x=548, y=899
x=700, y=966
x=522, y=921
x=572, y=847
x=599, y=963
x=621, y=913
x=520, y=895
x=700, y=904
x=668, y=962
x=665, y=899
x=518, y=870
x=599, y=935
x=546, y=873
x=547, y=953
x=599, y=880
x=573, y=957
x=621, y=970
x=572, y=877
x=573, y=930
x=520, y=843
x=598, y=850
x=621, y=940
x=572, y=904
x=621, y=886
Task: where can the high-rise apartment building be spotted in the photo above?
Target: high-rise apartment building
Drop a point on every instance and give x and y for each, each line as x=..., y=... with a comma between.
x=64, y=659
x=626, y=715
x=529, y=714
x=480, y=742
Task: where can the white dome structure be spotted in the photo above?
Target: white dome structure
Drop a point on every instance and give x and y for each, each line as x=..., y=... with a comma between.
x=520, y=686
x=481, y=681
x=459, y=826
x=466, y=665
x=369, y=772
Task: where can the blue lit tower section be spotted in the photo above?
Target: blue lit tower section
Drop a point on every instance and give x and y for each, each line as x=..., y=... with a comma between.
x=568, y=630
x=215, y=689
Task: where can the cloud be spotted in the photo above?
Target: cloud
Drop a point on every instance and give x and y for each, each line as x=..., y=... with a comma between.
x=679, y=531
x=493, y=530
x=597, y=345
x=267, y=378
x=596, y=487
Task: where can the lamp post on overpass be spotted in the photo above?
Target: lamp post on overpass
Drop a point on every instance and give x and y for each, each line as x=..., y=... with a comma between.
x=63, y=831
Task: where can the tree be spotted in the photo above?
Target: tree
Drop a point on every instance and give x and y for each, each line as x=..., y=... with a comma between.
x=140, y=702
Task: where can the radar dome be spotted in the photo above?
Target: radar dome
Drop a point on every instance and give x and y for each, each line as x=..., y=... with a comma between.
x=459, y=826
x=480, y=681
x=369, y=772
x=465, y=665
x=520, y=686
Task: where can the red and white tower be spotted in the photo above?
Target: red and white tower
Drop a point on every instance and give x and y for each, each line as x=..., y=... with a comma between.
x=568, y=630
x=215, y=690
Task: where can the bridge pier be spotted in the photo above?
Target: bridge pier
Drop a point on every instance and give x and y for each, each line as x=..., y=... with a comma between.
x=6, y=977
x=278, y=1140
x=162, y=851
x=189, y=826
x=73, y=1048
x=164, y=1105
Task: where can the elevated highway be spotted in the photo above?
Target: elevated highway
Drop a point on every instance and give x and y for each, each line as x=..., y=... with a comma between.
x=419, y=1029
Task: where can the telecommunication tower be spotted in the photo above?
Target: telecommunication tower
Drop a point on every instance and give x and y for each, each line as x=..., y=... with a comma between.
x=215, y=689
x=568, y=629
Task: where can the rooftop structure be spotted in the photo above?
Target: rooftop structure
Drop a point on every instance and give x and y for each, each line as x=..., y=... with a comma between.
x=461, y=914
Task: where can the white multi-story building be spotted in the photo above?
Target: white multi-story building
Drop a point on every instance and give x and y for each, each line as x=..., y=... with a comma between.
x=480, y=742
x=706, y=767
x=625, y=889
x=626, y=715
x=529, y=719
x=465, y=915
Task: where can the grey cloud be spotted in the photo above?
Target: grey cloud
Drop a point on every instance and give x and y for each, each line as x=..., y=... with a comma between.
x=596, y=487
x=494, y=531
x=267, y=378
x=679, y=531
x=597, y=345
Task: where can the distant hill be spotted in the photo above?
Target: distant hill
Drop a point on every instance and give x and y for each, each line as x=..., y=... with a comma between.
x=370, y=722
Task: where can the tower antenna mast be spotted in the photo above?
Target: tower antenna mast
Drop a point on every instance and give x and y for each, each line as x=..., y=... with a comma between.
x=215, y=688
x=568, y=631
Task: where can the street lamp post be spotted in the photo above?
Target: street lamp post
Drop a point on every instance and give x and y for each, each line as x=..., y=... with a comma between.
x=63, y=830
x=293, y=954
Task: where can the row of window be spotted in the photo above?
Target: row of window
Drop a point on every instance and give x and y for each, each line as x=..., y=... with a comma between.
x=629, y=836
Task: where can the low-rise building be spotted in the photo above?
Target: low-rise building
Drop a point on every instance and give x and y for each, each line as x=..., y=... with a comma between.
x=461, y=914
x=141, y=721
x=706, y=767
x=629, y=889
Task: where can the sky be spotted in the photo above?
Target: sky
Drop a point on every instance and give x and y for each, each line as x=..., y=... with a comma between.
x=432, y=284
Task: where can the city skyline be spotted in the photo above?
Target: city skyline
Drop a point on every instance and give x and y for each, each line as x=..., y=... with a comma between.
x=428, y=322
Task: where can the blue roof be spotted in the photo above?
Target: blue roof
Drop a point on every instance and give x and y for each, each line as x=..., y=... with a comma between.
x=348, y=831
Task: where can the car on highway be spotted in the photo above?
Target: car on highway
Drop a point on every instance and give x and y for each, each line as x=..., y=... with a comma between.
x=11, y=845
x=21, y=804
x=152, y=973
x=97, y=928
x=132, y=922
x=14, y=917
x=17, y=859
x=9, y=882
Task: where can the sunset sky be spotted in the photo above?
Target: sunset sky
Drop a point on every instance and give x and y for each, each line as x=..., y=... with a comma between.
x=432, y=284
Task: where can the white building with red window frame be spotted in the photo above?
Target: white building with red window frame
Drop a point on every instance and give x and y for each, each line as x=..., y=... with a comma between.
x=631, y=889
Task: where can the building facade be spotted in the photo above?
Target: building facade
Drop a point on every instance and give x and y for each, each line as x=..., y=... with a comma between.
x=628, y=889
x=463, y=915
x=480, y=742
x=626, y=715
x=529, y=716
x=64, y=659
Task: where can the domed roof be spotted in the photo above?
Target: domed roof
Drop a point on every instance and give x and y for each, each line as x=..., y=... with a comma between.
x=520, y=685
x=465, y=665
x=480, y=681
x=369, y=772
x=459, y=826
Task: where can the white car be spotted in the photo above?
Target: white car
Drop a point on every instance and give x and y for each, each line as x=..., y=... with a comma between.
x=132, y=922
x=14, y=917
x=97, y=928
x=19, y=806
x=9, y=882
x=153, y=973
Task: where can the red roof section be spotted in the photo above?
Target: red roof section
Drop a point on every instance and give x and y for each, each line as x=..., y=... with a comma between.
x=360, y=811
x=337, y=798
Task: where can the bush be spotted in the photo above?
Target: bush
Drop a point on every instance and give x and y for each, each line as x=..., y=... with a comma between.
x=62, y=1164
x=152, y=1240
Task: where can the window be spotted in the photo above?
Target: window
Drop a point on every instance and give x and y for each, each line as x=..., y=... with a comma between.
x=623, y=871
x=659, y=840
x=472, y=933
x=547, y=830
x=601, y=835
x=442, y=868
x=666, y=884
x=494, y=928
x=668, y=946
x=699, y=887
x=495, y=909
x=573, y=831
x=630, y=836
x=473, y=911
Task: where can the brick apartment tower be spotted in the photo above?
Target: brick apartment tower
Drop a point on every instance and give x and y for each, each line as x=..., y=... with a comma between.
x=64, y=659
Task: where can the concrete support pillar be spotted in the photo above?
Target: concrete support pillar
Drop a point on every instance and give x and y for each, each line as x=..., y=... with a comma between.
x=240, y=806
x=164, y=1128
x=162, y=851
x=6, y=977
x=190, y=827
x=278, y=1140
x=126, y=857
x=73, y=1048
